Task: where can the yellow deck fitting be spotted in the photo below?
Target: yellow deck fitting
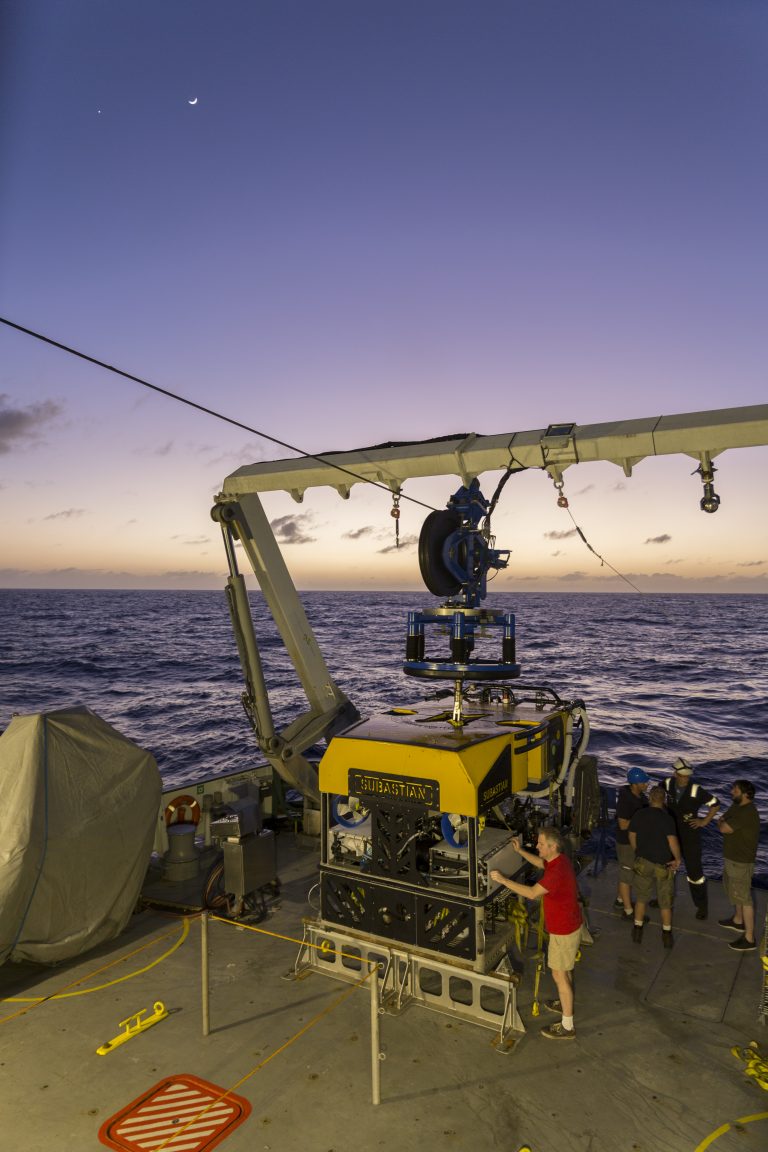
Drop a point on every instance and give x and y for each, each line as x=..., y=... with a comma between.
x=133, y=1026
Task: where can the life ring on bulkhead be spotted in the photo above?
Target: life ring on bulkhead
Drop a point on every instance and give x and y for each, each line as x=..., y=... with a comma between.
x=183, y=810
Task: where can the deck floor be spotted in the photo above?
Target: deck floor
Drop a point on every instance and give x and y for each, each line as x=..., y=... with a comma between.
x=651, y=1069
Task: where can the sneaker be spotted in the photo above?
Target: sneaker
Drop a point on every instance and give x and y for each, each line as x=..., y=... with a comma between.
x=553, y=1006
x=667, y=938
x=731, y=923
x=557, y=1032
x=743, y=945
x=637, y=933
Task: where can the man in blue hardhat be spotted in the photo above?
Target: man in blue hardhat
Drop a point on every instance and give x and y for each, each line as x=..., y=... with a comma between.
x=630, y=800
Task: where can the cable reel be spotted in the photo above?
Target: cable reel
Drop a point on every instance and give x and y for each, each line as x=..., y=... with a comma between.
x=455, y=556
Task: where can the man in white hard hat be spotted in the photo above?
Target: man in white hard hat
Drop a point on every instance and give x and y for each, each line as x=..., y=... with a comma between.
x=684, y=800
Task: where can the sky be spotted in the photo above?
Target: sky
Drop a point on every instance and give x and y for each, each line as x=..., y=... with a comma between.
x=343, y=223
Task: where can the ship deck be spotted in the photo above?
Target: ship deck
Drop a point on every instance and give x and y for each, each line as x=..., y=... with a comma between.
x=651, y=1068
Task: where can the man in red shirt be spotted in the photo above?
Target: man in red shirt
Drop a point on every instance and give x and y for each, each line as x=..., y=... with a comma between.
x=562, y=919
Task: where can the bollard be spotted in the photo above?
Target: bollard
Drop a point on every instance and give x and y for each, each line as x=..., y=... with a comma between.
x=375, y=1045
x=204, y=972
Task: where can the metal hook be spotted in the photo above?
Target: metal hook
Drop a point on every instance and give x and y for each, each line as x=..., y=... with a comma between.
x=395, y=514
x=710, y=501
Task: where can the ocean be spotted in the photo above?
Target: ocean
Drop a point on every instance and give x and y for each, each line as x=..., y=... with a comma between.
x=661, y=675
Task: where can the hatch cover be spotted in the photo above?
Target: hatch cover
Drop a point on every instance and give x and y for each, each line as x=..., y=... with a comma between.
x=180, y=1114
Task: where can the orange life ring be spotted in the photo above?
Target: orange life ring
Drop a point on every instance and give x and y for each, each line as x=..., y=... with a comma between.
x=176, y=812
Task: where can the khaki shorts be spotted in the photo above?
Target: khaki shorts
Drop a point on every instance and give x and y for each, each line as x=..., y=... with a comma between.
x=649, y=876
x=626, y=858
x=737, y=881
x=562, y=951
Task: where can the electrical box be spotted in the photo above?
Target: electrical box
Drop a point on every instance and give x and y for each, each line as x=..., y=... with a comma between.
x=250, y=863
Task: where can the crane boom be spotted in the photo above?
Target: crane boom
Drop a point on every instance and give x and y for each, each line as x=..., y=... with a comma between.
x=701, y=435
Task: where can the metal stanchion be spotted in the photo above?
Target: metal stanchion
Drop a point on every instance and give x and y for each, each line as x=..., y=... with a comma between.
x=375, y=1045
x=204, y=971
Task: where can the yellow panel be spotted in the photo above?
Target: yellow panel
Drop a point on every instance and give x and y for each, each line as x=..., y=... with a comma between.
x=399, y=762
x=479, y=759
x=458, y=774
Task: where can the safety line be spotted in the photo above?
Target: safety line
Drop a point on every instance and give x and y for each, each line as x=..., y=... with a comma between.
x=709, y=1140
x=36, y=1001
x=292, y=939
x=224, y=1095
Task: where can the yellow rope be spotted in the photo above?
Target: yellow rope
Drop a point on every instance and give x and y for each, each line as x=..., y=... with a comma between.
x=517, y=914
x=223, y=1095
x=63, y=994
x=742, y=1120
x=324, y=948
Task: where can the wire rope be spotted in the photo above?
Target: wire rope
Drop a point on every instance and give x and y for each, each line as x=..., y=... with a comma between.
x=510, y=470
x=208, y=411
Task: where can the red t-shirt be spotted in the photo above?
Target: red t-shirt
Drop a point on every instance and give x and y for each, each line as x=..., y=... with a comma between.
x=562, y=912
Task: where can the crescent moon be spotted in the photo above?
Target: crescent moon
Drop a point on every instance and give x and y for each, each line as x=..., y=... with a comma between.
x=192, y=101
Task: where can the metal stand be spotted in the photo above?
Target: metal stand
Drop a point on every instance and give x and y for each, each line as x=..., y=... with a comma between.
x=407, y=977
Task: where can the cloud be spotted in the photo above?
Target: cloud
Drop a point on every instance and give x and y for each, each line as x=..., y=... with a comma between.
x=159, y=450
x=66, y=514
x=564, y=535
x=252, y=452
x=292, y=529
x=573, y=576
x=358, y=533
x=663, y=539
x=751, y=564
x=406, y=544
x=583, y=491
x=17, y=424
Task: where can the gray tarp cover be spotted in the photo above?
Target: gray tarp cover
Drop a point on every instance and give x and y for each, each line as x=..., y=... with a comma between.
x=78, y=809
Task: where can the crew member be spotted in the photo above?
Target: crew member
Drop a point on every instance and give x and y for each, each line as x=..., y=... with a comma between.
x=562, y=919
x=657, y=859
x=684, y=799
x=630, y=800
x=741, y=828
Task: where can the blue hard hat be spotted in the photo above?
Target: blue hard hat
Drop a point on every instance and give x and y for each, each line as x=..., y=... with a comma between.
x=637, y=776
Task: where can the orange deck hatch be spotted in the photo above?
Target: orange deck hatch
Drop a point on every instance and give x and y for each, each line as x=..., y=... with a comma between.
x=180, y=1114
